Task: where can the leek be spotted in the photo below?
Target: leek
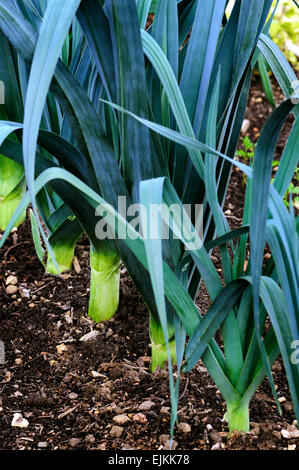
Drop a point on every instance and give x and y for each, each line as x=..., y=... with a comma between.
x=158, y=345
x=104, y=284
x=12, y=190
x=238, y=417
x=64, y=254
x=62, y=241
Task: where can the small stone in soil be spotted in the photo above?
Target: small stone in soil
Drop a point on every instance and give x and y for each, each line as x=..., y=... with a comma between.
x=90, y=439
x=292, y=447
x=216, y=446
x=165, y=410
x=89, y=336
x=146, y=406
x=116, y=431
x=121, y=419
x=19, y=422
x=245, y=127
x=165, y=441
x=42, y=445
x=282, y=399
x=140, y=418
x=13, y=280
x=291, y=433
x=184, y=427
x=74, y=442
x=117, y=410
x=10, y=290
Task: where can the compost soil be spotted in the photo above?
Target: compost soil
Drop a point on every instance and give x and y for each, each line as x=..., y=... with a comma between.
x=97, y=392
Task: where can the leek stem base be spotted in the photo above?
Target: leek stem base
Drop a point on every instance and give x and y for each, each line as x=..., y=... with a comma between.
x=64, y=255
x=238, y=417
x=160, y=356
x=104, y=286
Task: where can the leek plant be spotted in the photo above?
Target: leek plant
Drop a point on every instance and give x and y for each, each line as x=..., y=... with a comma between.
x=251, y=294
x=121, y=140
x=63, y=230
x=164, y=130
x=104, y=286
x=12, y=182
x=12, y=190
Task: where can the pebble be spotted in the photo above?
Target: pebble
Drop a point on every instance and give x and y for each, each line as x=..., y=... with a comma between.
x=292, y=447
x=90, y=439
x=116, y=431
x=184, y=427
x=288, y=406
x=117, y=410
x=89, y=336
x=10, y=290
x=76, y=265
x=13, y=280
x=42, y=445
x=19, y=422
x=165, y=410
x=73, y=396
x=61, y=348
x=104, y=392
x=293, y=433
x=121, y=419
x=245, y=127
x=95, y=374
x=209, y=427
x=18, y=361
x=146, y=406
x=24, y=293
x=140, y=418
x=282, y=399
x=165, y=441
x=216, y=446
x=74, y=442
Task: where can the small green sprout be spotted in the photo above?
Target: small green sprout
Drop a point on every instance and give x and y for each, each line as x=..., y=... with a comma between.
x=246, y=154
x=293, y=188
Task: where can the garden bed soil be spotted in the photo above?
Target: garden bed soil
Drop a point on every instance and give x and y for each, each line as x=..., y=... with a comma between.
x=99, y=394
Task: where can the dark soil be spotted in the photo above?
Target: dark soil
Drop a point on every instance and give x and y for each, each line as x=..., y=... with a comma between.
x=71, y=391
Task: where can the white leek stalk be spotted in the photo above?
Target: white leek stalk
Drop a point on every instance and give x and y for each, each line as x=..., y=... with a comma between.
x=159, y=349
x=104, y=284
x=12, y=190
x=64, y=255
